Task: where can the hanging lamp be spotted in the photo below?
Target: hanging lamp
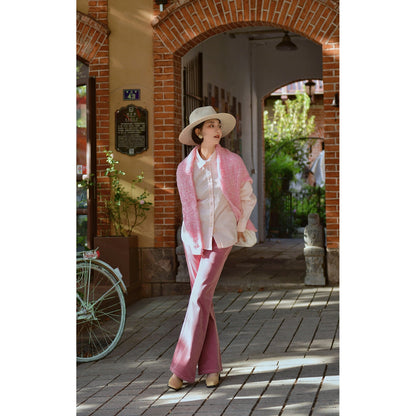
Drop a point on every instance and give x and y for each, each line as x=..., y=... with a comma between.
x=286, y=44
x=310, y=88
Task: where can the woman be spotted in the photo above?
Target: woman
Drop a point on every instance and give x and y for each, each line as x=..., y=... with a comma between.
x=217, y=200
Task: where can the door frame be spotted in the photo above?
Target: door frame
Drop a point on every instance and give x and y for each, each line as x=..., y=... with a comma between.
x=91, y=157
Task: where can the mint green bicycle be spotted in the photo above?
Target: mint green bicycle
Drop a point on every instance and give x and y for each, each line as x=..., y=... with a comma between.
x=101, y=308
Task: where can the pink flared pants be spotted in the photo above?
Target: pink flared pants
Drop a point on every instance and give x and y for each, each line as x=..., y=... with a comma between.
x=198, y=343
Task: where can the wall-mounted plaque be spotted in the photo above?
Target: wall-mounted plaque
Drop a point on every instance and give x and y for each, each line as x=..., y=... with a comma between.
x=131, y=130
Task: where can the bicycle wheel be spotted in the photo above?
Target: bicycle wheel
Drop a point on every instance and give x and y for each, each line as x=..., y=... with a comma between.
x=101, y=311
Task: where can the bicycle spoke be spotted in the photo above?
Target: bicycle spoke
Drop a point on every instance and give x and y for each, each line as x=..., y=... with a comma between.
x=93, y=336
x=116, y=317
x=111, y=300
x=103, y=296
x=95, y=341
x=105, y=331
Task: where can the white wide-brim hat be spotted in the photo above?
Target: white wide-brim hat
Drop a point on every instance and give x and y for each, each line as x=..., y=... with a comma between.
x=201, y=114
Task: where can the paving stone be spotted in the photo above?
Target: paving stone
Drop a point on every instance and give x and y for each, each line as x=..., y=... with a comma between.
x=240, y=408
x=297, y=409
x=325, y=409
x=137, y=406
x=277, y=345
x=158, y=410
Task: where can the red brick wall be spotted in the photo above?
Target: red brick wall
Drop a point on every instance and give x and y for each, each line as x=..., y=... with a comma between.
x=330, y=53
x=183, y=25
x=92, y=46
x=100, y=69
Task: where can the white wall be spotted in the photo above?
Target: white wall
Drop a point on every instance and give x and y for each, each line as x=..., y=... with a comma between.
x=225, y=62
x=251, y=70
x=225, y=66
x=278, y=68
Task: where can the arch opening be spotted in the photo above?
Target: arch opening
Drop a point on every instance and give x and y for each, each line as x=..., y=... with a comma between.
x=181, y=28
x=236, y=68
x=294, y=160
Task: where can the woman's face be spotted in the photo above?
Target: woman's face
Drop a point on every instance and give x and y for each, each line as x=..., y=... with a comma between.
x=210, y=131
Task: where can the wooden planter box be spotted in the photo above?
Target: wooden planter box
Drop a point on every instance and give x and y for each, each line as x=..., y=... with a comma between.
x=122, y=252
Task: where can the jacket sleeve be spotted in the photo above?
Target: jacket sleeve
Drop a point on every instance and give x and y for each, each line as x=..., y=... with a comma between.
x=248, y=202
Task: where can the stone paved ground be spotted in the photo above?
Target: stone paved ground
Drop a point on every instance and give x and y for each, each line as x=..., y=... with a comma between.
x=280, y=351
x=274, y=264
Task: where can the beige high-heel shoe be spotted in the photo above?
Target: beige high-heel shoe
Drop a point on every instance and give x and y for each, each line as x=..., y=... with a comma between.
x=175, y=383
x=213, y=380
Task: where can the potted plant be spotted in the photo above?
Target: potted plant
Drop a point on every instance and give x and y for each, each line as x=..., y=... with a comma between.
x=127, y=208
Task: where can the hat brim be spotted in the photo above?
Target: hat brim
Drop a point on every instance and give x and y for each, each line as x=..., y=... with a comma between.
x=228, y=123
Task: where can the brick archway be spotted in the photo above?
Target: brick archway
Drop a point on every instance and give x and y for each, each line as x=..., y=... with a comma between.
x=91, y=36
x=184, y=25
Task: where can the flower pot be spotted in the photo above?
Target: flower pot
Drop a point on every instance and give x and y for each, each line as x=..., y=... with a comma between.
x=122, y=252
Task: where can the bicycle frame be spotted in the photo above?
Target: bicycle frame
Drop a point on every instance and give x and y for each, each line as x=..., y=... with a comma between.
x=115, y=271
x=92, y=257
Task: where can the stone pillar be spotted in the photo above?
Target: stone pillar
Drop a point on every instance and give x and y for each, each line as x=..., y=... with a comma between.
x=182, y=274
x=332, y=262
x=314, y=252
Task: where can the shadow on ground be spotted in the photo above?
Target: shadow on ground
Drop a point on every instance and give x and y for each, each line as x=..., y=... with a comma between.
x=273, y=264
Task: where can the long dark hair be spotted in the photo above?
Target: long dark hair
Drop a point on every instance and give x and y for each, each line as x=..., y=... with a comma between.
x=195, y=137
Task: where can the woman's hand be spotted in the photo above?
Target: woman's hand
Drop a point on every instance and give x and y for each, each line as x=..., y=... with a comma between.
x=240, y=236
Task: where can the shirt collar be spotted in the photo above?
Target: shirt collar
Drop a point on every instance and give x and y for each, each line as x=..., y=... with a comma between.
x=201, y=162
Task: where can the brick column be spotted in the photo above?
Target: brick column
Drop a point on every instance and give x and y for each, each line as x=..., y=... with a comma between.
x=330, y=53
x=100, y=69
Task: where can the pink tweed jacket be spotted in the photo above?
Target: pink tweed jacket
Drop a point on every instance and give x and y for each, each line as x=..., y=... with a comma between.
x=233, y=174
